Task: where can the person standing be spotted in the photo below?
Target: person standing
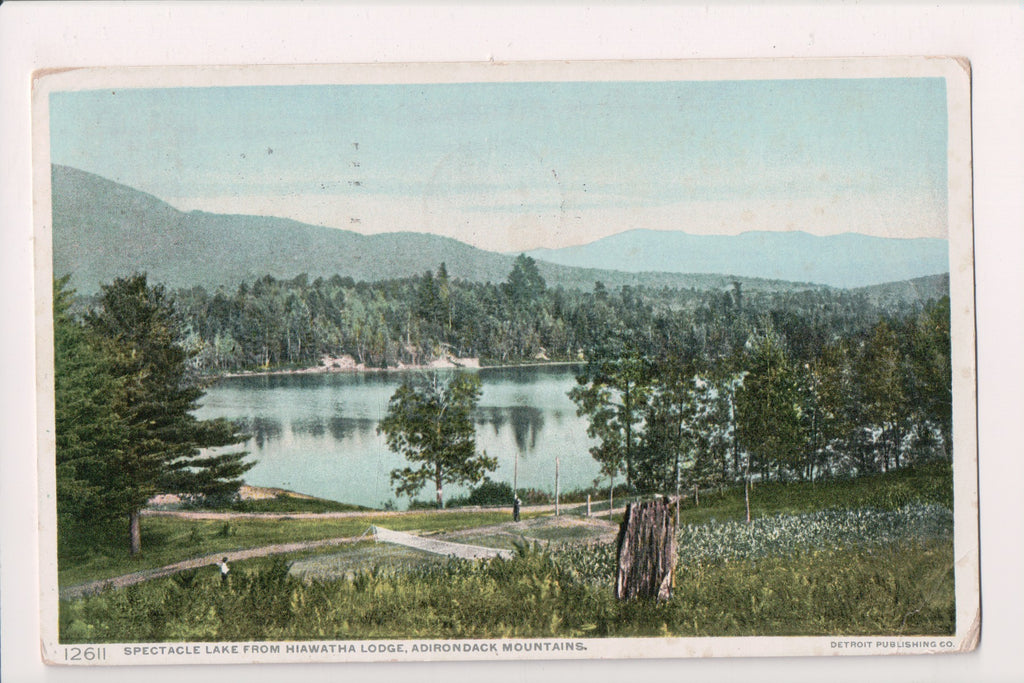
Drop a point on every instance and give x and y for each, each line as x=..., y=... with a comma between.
x=515, y=509
x=224, y=569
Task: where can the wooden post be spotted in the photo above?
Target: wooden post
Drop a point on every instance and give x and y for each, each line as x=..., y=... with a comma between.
x=134, y=533
x=515, y=476
x=646, y=552
x=556, y=487
x=588, y=505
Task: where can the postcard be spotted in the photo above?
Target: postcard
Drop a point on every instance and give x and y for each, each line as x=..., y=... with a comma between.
x=491, y=361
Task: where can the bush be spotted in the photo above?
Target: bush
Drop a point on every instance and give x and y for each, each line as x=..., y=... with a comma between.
x=487, y=493
x=498, y=493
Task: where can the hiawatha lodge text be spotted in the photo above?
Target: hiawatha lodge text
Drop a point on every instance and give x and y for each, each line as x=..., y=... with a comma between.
x=385, y=648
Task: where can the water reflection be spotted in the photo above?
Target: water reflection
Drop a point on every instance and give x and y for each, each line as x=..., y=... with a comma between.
x=313, y=426
x=261, y=430
x=318, y=433
x=347, y=427
x=527, y=423
x=494, y=416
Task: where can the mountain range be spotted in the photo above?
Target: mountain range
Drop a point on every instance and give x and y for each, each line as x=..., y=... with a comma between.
x=103, y=229
x=846, y=260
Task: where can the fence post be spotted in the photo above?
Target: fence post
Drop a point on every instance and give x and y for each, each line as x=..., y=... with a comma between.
x=646, y=551
x=556, y=487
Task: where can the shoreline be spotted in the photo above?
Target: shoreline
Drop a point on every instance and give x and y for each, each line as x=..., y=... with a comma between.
x=327, y=370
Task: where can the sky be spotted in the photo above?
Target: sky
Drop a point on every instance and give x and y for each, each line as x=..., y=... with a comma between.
x=518, y=166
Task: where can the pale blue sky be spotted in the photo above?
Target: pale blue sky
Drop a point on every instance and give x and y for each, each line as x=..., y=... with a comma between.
x=522, y=165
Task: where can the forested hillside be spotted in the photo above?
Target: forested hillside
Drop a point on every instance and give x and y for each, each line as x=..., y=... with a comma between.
x=103, y=230
x=268, y=323
x=719, y=382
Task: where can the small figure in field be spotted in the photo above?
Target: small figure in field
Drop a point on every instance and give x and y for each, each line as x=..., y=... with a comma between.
x=224, y=569
x=515, y=509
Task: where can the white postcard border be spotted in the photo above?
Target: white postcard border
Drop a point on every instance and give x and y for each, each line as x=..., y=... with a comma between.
x=957, y=74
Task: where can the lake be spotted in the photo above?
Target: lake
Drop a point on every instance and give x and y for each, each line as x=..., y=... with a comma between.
x=317, y=433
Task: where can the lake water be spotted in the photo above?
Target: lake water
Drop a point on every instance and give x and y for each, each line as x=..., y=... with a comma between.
x=317, y=433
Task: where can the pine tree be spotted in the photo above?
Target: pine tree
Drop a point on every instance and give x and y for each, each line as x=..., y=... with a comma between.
x=163, y=441
x=614, y=393
x=932, y=373
x=87, y=428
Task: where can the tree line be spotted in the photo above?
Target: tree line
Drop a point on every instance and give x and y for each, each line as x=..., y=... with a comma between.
x=270, y=323
x=670, y=416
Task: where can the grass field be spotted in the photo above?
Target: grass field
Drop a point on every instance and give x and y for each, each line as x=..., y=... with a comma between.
x=866, y=556
x=902, y=589
x=286, y=503
x=165, y=540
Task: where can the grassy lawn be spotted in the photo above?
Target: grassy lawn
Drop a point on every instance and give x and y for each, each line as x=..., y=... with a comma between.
x=166, y=540
x=904, y=588
x=866, y=556
x=286, y=503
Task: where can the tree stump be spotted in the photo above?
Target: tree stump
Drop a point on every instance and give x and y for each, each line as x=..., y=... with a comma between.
x=647, y=552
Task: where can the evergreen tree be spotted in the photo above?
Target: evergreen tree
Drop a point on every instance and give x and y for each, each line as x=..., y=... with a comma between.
x=432, y=426
x=525, y=285
x=882, y=378
x=932, y=379
x=88, y=430
x=163, y=441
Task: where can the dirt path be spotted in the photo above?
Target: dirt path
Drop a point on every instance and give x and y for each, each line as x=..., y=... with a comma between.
x=228, y=515
x=124, y=580
x=79, y=590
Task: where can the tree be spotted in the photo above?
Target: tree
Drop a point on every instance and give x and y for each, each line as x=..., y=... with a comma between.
x=164, y=443
x=711, y=429
x=931, y=365
x=87, y=427
x=882, y=378
x=768, y=407
x=614, y=392
x=666, y=446
x=432, y=426
x=525, y=285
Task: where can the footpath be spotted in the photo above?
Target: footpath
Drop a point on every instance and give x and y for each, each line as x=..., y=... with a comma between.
x=92, y=587
x=79, y=590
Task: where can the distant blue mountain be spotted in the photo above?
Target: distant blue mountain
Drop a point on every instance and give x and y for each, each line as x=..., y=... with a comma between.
x=844, y=260
x=103, y=230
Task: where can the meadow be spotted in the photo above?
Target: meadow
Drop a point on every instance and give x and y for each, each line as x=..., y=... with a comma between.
x=883, y=568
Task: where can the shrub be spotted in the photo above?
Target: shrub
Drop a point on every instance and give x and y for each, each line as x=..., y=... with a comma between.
x=487, y=493
x=498, y=493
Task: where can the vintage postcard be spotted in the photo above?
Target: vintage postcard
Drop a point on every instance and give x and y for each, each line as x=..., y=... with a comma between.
x=483, y=361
